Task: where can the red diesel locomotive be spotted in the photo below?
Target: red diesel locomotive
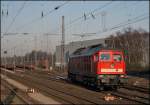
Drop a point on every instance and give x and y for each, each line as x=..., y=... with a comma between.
x=97, y=66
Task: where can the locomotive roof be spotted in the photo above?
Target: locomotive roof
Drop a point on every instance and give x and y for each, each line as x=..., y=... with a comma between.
x=86, y=51
x=89, y=50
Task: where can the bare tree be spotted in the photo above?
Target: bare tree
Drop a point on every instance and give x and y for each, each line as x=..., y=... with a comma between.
x=134, y=42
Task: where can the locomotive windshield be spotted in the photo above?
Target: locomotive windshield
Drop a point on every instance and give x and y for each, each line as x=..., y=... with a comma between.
x=105, y=57
x=117, y=57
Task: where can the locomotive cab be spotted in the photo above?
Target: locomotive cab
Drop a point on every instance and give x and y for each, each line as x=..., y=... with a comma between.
x=111, y=68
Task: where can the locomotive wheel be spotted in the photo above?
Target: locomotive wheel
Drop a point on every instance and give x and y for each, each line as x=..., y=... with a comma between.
x=101, y=88
x=115, y=88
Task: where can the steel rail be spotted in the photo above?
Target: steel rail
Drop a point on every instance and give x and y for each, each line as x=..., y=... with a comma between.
x=13, y=93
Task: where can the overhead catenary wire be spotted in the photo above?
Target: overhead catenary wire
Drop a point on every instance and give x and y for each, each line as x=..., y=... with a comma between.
x=131, y=21
x=40, y=18
x=93, y=10
x=57, y=7
x=86, y=15
x=93, y=13
x=19, y=11
x=27, y=33
x=90, y=13
x=4, y=10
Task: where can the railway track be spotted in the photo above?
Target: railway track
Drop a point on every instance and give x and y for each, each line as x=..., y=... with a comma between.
x=140, y=94
x=45, y=87
x=57, y=78
x=132, y=97
x=13, y=94
x=137, y=88
x=61, y=95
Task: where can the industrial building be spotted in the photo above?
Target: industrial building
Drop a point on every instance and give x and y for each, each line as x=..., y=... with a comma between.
x=71, y=47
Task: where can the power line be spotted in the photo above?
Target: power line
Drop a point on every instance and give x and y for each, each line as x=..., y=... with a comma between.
x=95, y=14
x=19, y=11
x=57, y=7
x=132, y=21
x=100, y=8
x=37, y=19
x=90, y=13
x=122, y=23
x=26, y=33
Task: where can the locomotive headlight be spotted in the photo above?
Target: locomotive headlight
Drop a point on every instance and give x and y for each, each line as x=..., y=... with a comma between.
x=101, y=76
x=122, y=76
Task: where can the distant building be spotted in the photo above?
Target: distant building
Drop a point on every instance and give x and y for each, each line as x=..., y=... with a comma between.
x=72, y=46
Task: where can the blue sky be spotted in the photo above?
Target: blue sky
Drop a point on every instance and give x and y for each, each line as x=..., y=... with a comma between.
x=116, y=12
